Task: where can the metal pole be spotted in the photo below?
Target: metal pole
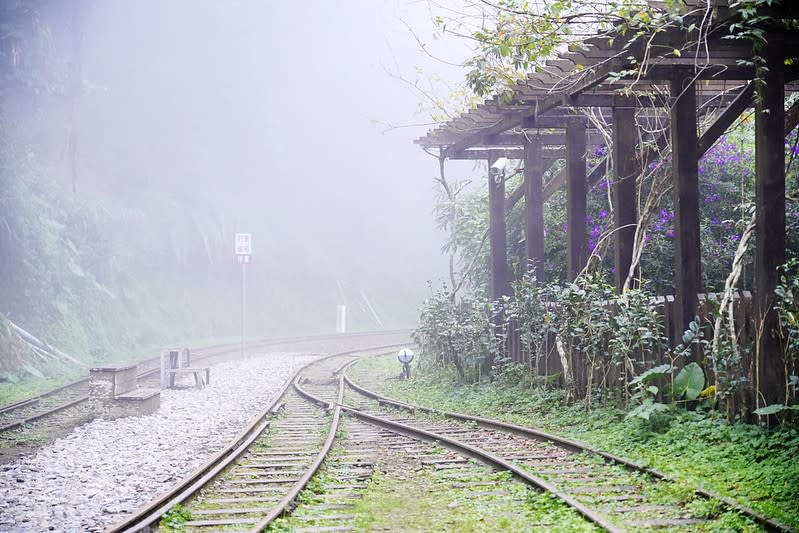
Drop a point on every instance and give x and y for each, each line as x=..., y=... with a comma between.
x=243, y=307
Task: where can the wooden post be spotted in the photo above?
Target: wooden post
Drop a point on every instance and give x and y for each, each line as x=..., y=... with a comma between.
x=576, y=195
x=625, y=197
x=500, y=285
x=534, y=206
x=685, y=176
x=770, y=219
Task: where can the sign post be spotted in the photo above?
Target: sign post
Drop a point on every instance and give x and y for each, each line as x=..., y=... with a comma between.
x=405, y=356
x=243, y=252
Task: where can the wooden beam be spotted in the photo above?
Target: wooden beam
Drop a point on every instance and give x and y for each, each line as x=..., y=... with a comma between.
x=534, y=207
x=726, y=118
x=769, y=220
x=713, y=72
x=500, y=283
x=518, y=140
x=685, y=176
x=576, y=204
x=512, y=120
x=625, y=196
x=481, y=155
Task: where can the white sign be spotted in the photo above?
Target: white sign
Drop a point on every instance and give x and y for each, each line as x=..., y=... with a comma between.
x=243, y=243
x=405, y=356
x=341, y=318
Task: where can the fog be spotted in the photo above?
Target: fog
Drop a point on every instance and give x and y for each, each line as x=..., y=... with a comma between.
x=282, y=117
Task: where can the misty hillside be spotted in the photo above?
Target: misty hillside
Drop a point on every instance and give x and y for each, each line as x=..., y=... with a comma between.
x=137, y=139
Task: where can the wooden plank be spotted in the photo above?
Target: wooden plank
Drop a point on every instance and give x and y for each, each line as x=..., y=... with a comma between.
x=480, y=155
x=685, y=175
x=625, y=196
x=534, y=206
x=518, y=140
x=769, y=220
x=590, y=78
x=576, y=203
x=500, y=285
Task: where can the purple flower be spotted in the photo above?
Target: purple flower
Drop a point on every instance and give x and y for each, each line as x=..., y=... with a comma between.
x=670, y=234
x=603, y=214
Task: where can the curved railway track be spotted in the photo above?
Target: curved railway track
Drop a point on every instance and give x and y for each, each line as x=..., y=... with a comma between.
x=608, y=490
x=263, y=473
x=256, y=478
x=70, y=396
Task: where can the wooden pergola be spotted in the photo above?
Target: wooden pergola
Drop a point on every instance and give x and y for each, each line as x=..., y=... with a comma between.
x=677, y=78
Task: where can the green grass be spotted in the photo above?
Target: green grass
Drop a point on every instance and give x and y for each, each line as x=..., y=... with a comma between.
x=31, y=385
x=424, y=500
x=755, y=466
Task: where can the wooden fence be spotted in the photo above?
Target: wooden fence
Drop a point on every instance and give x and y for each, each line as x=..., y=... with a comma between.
x=549, y=366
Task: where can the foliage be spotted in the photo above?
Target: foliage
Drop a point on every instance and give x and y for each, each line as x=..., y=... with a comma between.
x=82, y=273
x=689, y=382
x=15, y=353
x=456, y=334
x=513, y=37
x=175, y=518
x=596, y=336
x=787, y=307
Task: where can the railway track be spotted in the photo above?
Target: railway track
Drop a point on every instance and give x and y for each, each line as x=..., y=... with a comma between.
x=255, y=479
x=65, y=401
x=286, y=464
x=610, y=491
x=264, y=479
x=307, y=460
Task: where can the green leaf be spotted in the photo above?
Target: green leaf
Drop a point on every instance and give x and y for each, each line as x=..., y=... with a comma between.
x=651, y=374
x=689, y=382
x=770, y=409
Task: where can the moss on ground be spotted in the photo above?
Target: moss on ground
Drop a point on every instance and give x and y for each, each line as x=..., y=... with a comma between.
x=755, y=466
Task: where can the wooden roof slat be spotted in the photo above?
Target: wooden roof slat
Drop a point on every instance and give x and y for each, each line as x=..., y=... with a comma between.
x=560, y=84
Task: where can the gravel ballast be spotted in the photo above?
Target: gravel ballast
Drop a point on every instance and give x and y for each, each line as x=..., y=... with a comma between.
x=89, y=479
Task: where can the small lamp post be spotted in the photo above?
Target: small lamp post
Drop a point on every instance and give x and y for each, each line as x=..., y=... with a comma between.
x=405, y=356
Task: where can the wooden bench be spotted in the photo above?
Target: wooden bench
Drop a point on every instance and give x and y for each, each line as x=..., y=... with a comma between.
x=176, y=361
x=200, y=381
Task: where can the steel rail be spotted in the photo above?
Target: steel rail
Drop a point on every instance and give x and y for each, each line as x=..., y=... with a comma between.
x=486, y=457
x=769, y=523
x=218, y=349
x=311, y=471
x=43, y=414
x=149, y=514
x=203, y=353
